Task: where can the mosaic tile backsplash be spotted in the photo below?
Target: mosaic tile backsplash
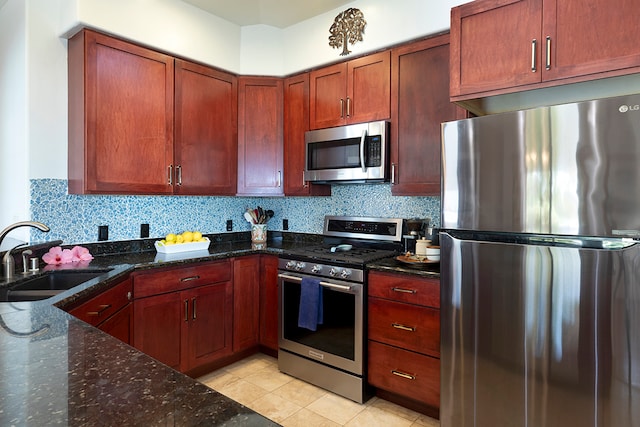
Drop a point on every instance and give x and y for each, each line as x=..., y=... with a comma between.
x=75, y=219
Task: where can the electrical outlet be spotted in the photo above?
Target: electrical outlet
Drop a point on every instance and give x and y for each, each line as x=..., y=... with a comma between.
x=229, y=225
x=144, y=230
x=285, y=224
x=103, y=232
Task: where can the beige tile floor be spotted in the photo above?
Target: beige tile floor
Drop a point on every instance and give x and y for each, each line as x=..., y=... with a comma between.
x=256, y=383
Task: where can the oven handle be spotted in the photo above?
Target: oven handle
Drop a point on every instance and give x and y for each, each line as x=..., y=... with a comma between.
x=324, y=284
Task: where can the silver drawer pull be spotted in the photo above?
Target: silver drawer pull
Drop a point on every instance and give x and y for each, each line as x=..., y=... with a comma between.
x=403, y=375
x=188, y=279
x=405, y=291
x=403, y=327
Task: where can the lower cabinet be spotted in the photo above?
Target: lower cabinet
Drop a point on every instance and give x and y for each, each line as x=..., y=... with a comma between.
x=193, y=315
x=404, y=338
x=246, y=302
x=269, y=302
x=183, y=316
x=109, y=311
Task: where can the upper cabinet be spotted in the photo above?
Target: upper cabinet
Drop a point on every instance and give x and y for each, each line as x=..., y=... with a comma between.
x=205, y=149
x=260, y=139
x=420, y=103
x=123, y=112
x=355, y=91
x=502, y=46
x=296, y=123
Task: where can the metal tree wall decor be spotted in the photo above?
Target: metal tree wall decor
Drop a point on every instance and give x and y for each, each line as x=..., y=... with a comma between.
x=348, y=27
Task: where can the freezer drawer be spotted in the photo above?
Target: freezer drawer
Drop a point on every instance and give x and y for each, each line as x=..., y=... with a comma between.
x=539, y=335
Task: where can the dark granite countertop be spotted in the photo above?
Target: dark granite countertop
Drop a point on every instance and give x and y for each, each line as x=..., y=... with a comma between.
x=60, y=370
x=391, y=265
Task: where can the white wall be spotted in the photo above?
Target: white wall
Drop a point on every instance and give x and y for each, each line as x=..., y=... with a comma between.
x=170, y=25
x=14, y=149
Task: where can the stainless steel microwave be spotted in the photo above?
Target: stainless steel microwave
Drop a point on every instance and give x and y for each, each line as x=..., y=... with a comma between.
x=348, y=154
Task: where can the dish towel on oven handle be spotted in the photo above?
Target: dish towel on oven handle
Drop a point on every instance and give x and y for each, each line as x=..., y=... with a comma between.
x=310, y=314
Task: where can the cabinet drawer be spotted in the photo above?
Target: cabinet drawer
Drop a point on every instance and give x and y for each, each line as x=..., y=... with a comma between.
x=185, y=277
x=408, y=326
x=100, y=307
x=405, y=288
x=403, y=372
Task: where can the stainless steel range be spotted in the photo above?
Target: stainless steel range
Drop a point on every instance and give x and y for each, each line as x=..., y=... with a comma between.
x=331, y=353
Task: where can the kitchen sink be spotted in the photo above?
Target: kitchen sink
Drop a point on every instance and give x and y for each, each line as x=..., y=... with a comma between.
x=49, y=284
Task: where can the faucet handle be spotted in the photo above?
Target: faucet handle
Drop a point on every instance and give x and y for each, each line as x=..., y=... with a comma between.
x=25, y=259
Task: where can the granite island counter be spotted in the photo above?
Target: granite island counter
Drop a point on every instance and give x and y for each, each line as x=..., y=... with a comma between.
x=59, y=370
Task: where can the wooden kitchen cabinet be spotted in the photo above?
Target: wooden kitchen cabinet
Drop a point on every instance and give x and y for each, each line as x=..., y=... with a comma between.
x=269, y=303
x=126, y=101
x=419, y=104
x=404, y=339
x=205, y=153
x=296, y=123
x=110, y=311
x=183, y=315
x=246, y=302
x=260, y=136
x=355, y=91
x=120, y=117
x=502, y=46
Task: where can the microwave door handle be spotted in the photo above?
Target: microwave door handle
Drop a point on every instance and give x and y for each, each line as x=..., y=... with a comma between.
x=362, y=140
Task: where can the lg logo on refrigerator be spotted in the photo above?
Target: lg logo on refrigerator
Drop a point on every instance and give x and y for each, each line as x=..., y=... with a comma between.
x=626, y=108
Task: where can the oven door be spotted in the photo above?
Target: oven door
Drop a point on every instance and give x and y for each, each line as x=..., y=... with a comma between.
x=339, y=340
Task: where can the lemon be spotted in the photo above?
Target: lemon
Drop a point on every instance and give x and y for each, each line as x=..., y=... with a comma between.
x=170, y=237
x=169, y=243
x=197, y=236
x=179, y=238
x=187, y=236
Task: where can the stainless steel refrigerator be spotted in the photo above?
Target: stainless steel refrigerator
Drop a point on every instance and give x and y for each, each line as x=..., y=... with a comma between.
x=540, y=267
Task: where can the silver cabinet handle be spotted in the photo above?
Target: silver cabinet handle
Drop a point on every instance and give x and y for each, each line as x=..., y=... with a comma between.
x=190, y=278
x=403, y=327
x=534, y=43
x=178, y=175
x=129, y=295
x=279, y=179
x=548, y=64
x=304, y=183
x=170, y=175
x=393, y=174
x=348, y=107
x=193, y=308
x=403, y=375
x=405, y=291
x=186, y=310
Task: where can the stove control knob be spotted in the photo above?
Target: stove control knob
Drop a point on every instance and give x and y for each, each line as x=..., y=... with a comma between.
x=300, y=266
x=316, y=269
x=334, y=272
x=290, y=265
x=345, y=273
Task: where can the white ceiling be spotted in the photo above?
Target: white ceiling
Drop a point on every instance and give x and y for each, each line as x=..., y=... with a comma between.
x=277, y=13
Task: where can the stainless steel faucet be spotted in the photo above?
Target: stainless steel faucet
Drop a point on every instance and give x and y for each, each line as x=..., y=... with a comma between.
x=7, y=260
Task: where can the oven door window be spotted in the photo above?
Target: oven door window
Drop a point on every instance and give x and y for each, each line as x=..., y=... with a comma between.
x=336, y=335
